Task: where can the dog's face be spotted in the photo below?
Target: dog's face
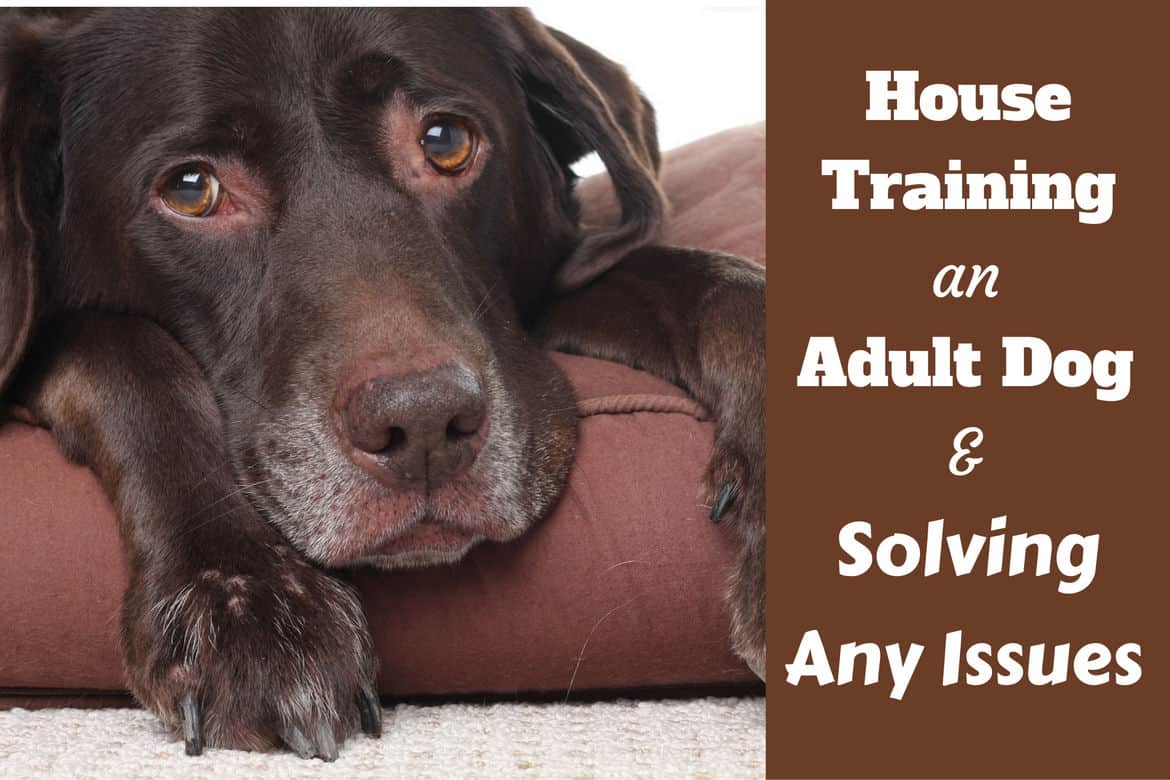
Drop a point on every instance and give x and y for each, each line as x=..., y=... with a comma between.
x=347, y=217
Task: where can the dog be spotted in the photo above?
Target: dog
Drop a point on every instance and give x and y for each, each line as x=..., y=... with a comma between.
x=285, y=280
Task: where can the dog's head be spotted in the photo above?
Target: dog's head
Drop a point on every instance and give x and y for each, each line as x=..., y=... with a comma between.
x=347, y=218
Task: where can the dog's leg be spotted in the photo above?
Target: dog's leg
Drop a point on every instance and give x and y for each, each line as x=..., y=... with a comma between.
x=696, y=319
x=228, y=634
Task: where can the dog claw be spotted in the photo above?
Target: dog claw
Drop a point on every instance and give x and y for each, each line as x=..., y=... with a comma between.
x=723, y=499
x=298, y=742
x=370, y=709
x=323, y=745
x=192, y=725
x=326, y=744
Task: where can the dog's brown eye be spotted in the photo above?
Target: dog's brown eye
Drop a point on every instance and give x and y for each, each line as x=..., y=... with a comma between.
x=192, y=192
x=447, y=145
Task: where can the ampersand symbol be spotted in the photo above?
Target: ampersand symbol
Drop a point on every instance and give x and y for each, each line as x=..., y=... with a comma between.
x=965, y=440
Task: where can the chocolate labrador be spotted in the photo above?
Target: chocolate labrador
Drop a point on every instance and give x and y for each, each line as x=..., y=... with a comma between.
x=285, y=279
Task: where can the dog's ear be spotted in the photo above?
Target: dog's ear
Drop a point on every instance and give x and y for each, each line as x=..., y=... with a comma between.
x=30, y=173
x=582, y=102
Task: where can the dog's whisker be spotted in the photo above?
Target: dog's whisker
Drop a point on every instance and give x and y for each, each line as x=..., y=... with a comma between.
x=187, y=530
x=211, y=472
x=217, y=502
x=581, y=654
x=483, y=303
x=247, y=397
x=560, y=409
x=622, y=563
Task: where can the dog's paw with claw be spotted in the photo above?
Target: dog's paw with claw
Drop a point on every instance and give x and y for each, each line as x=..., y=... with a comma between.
x=735, y=485
x=248, y=657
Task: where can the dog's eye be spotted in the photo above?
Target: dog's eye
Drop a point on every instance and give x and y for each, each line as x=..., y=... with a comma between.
x=448, y=145
x=192, y=191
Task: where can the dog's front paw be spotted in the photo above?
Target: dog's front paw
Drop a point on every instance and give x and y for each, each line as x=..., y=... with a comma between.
x=252, y=655
x=735, y=485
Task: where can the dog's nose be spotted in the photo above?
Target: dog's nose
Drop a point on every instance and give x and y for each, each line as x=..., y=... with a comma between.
x=419, y=429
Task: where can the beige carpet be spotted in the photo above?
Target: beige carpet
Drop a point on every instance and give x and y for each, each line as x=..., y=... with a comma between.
x=700, y=738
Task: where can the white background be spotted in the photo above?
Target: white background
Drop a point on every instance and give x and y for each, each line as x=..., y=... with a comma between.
x=700, y=63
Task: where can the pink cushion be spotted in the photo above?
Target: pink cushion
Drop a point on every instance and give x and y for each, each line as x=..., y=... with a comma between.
x=622, y=586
